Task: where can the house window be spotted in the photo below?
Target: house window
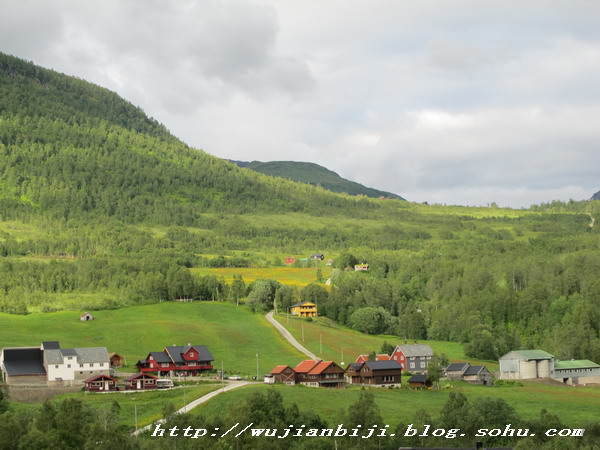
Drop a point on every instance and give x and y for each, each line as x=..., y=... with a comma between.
x=191, y=354
x=91, y=364
x=56, y=366
x=422, y=365
x=68, y=366
x=164, y=365
x=412, y=365
x=69, y=358
x=80, y=365
x=101, y=364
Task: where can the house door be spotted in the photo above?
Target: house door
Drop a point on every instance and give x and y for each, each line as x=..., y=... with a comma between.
x=139, y=384
x=106, y=385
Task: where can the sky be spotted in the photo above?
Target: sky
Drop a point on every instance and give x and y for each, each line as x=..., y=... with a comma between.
x=455, y=102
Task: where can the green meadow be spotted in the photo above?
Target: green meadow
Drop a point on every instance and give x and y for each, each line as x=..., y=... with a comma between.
x=233, y=334
x=296, y=276
x=331, y=341
x=574, y=406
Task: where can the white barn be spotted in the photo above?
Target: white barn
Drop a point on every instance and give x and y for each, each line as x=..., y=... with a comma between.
x=526, y=365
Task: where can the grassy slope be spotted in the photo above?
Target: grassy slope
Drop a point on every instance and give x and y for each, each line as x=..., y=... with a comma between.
x=232, y=334
x=334, y=337
x=285, y=275
x=574, y=406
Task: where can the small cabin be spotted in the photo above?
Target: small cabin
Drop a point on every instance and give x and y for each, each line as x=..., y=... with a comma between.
x=290, y=260
x=100, y=383
x=140, y=381
x=86, y=316
x=419, y=381
x=116, y=360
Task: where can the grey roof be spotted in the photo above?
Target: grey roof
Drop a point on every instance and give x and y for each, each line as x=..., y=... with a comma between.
x=355, y=366
x=91, y=355
x=418, y=378
x=457, y=367
x=23, y=361
x=53, y=357
x=384, y=365
x=51, y=345
x=474, y=370
x=69, y=352
x=416, y=350
x=161, y=357
x=176, y=352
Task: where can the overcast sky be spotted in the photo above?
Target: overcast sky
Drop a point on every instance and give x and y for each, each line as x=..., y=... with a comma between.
x=458, y=102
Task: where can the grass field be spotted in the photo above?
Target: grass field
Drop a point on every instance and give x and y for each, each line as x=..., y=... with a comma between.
x=333, y=339
x=232, y=334
x=285, y=275
x=574, y=406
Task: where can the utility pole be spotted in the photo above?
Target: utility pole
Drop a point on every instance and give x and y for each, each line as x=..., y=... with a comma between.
x=256, y=364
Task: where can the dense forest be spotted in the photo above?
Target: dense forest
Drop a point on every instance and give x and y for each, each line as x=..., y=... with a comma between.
x=98, y=200
x=73, y=424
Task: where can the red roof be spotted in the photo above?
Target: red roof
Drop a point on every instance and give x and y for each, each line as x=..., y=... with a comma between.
x=383, y=357
x=319, y=368
x=305, y=366
x=279, y=369
x=98, y=377
x=362, y=358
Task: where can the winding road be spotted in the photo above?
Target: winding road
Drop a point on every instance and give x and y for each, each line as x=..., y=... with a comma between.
x=230, y=385
x=234, y=384
x=291, y=339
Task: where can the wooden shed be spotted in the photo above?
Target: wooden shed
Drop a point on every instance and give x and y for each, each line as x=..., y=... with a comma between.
x=419, y=381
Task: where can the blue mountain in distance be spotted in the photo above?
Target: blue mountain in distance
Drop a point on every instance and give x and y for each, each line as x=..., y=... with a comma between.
x=311, y=173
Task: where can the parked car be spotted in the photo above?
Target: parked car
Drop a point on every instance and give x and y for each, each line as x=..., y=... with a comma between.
x=235, y=377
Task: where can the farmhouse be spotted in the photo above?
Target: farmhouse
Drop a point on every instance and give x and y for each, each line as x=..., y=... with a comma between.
x=526, y=365
x=353, y=373
x=100, y=383
x=185, y=360
x=325, y=374
x=284, y=374
x=71, y=364
x=381, y=373
x=413, y=357
x=290, y=260
x=304, y=309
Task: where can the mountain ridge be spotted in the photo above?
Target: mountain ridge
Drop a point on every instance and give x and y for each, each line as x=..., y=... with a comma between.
x=316, y=175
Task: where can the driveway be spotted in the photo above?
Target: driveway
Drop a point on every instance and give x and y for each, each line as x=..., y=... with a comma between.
x=291, y=339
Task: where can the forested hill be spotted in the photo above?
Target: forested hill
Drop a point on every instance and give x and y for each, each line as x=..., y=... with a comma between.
x=70, y=148
x=311, y=173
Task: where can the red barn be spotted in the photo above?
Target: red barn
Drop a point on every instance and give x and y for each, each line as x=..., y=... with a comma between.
x=290, y=260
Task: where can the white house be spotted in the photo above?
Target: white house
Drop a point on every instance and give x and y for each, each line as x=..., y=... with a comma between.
x=71, y=364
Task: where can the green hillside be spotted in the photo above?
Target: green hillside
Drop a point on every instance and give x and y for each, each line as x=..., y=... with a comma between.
x=232, y=334
x=101, y=208
x=311, y=173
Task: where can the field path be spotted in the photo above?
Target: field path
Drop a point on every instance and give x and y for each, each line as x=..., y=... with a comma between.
x=230, y=385
x=291, y=339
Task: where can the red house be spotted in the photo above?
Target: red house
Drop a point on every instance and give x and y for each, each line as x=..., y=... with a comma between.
x=140, y=381
x=290, y=260
x=100, y=383
x=185, y=360
x=284, y=374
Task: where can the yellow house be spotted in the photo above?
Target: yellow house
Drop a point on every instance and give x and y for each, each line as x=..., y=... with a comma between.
x=304, y=309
